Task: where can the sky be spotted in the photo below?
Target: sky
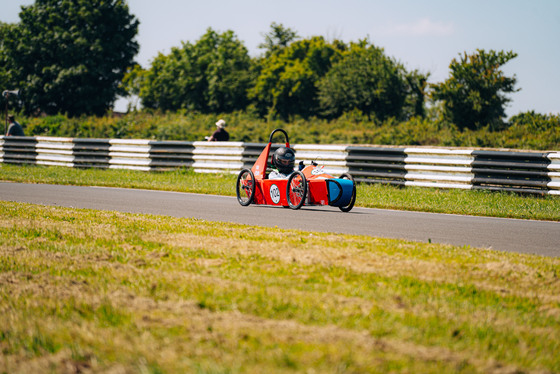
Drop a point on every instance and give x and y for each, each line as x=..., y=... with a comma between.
x=424, y=35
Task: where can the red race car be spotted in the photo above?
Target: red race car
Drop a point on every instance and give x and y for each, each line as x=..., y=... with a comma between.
x=308, y=186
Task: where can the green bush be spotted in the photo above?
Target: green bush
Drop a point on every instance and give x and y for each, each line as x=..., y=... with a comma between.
x=525, y=131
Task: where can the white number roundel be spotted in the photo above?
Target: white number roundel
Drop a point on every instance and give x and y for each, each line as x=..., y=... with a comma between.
x=317, y=171
x=275, y=194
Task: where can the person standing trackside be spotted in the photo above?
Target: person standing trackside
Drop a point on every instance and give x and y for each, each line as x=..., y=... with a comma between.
x=220, y=135
x=15, y=128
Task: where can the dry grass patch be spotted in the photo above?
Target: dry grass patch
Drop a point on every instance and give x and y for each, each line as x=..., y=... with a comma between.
x=93, y=291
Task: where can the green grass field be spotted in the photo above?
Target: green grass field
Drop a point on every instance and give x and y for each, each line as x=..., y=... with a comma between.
x=106, y=292
x=91, y=291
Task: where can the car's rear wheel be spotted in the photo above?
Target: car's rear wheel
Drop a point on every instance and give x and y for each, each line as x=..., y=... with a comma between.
x=245, y=187
x=296, y=190
x=350, y=205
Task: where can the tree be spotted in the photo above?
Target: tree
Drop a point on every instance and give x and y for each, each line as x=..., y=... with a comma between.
x=8, y=70
x=4, y=58
x=416, y=92
x=132, y=84
x=286, y=84
x=364, y=79
x=212, y=75
x=537, y=122
x=69, y=56
x=475, y=94
x=278, y=38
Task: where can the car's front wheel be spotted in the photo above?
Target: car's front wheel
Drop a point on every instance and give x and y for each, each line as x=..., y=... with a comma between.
x=296, y=190
x=350, y=205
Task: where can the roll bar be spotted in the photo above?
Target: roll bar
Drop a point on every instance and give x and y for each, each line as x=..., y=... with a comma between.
x=282, y=131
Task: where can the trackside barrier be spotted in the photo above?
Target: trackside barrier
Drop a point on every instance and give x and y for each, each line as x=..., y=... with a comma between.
x=441, y=168
x=377, y=164
x=524, y=172
x=554, y=174
x=511, y=171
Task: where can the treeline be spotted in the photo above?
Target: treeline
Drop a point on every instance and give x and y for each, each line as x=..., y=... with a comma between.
x=72, y=59
x=525, y=131
x=305, y=78
x=316, y=78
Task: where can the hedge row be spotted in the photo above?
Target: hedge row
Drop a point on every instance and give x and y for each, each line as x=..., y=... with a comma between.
x=524, y=131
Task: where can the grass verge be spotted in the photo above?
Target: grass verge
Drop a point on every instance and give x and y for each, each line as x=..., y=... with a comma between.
x=483, y=203
x=84, y=290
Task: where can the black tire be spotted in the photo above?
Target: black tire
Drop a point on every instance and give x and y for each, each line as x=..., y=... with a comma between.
x=296, y=190
x=245, y=187
x=350, y=205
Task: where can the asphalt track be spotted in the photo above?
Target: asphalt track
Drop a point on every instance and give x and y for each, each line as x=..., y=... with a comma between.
x=523, y=236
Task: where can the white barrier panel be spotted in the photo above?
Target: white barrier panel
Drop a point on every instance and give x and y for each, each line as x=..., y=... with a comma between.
x=522, y=172
x=437, y=167
x=554, y=174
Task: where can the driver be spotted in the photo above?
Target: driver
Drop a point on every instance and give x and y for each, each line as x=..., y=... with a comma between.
x=283, y=161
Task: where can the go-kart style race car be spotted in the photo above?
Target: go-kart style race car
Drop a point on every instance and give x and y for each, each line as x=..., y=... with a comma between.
x=308, y=186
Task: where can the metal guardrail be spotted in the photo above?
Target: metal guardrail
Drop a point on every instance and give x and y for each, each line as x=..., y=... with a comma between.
x=442, y=168
x=554, y=173
x=515, y=171
x=524, y=172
